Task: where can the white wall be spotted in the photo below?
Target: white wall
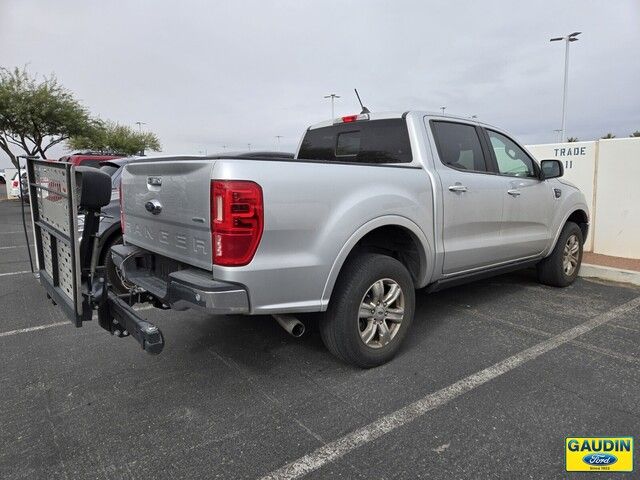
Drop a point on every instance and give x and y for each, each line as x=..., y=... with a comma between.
x=608, y=172
x=617, y=214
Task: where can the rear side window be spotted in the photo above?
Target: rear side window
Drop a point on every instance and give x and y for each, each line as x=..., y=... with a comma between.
x=366, y=141
x=459, y=146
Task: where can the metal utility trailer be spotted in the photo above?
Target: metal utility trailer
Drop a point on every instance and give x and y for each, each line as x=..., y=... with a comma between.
x=66, y=268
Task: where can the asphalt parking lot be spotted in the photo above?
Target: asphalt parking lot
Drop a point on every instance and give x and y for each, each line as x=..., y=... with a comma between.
x=493, y=377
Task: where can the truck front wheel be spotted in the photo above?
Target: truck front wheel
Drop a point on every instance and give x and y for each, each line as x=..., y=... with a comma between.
x=370, y=311
x=561, y=268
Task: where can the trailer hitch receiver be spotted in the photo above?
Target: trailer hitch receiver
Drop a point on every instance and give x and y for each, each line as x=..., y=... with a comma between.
x=116, y=316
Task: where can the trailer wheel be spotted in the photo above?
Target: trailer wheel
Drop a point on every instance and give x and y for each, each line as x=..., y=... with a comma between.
x=370, y=311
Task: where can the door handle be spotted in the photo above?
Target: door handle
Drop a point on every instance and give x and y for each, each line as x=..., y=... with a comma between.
x=457, y=188
x=514, y=192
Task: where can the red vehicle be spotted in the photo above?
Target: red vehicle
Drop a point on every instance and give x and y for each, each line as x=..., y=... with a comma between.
x=88, y=159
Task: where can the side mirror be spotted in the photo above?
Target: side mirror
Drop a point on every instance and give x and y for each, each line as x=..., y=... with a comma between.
x=551, y=169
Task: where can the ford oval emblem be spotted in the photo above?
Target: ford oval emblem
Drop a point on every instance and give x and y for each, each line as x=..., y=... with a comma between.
x=599, y=459
x=153, y=206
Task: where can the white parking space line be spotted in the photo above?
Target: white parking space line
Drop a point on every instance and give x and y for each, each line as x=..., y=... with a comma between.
x=57, y=324
x=14, y=273
x=32, y=329
x=383, y=425
x=14, y=231
x=542, y=333
x=13, y=246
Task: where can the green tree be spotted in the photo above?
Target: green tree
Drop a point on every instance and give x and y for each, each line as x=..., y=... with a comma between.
x=608, y=135
x=36, y=114
x=111, y=137
x=635, y=134
x=573, y=139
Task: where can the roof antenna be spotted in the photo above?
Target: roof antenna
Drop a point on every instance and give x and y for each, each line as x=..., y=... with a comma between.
x=364, y=109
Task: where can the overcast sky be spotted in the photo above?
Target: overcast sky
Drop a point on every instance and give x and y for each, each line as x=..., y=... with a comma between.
x=203, y=74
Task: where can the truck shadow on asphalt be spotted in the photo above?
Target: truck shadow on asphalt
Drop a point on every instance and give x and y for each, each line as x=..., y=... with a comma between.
x=259, y=343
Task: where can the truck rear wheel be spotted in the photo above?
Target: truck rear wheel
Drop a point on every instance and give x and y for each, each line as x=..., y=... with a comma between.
x=561, y=268
x=114, y=275
x=370, y=311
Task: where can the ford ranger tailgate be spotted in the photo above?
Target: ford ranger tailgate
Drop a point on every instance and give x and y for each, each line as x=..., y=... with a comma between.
x=166, y=208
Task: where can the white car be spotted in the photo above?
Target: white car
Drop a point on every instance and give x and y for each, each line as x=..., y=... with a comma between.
x=13, y=187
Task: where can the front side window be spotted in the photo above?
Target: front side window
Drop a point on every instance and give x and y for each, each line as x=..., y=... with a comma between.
x=459, y=146
x=511, y=159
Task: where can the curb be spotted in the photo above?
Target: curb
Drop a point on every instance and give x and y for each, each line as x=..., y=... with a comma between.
x=610, y=273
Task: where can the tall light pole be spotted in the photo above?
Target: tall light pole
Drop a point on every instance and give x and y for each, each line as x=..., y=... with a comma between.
x=278, y=137
x=333, y=97
x=568, y=39
x=443, y=109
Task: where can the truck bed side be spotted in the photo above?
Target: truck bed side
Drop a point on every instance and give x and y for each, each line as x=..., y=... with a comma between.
x=312, y=210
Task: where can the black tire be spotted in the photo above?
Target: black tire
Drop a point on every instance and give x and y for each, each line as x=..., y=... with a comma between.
x=340, y=326
x=551, y=270
x=113, y=276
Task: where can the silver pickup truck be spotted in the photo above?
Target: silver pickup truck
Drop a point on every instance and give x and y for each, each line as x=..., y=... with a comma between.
x=372, y=207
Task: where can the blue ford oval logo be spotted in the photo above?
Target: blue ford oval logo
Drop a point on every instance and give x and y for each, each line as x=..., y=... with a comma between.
x=599, y=459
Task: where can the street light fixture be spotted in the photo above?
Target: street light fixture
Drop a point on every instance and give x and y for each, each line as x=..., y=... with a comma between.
x=333, y=97
x=558, y=131
x=278, y=137
x=443, y=109
x=568, y=39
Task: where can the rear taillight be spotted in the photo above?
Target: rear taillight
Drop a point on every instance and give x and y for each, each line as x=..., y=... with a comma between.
x=236, y=221
x=14, y=184
x=121, y=209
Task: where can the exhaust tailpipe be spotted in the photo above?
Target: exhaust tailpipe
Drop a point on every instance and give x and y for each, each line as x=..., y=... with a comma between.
x=291, y=324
